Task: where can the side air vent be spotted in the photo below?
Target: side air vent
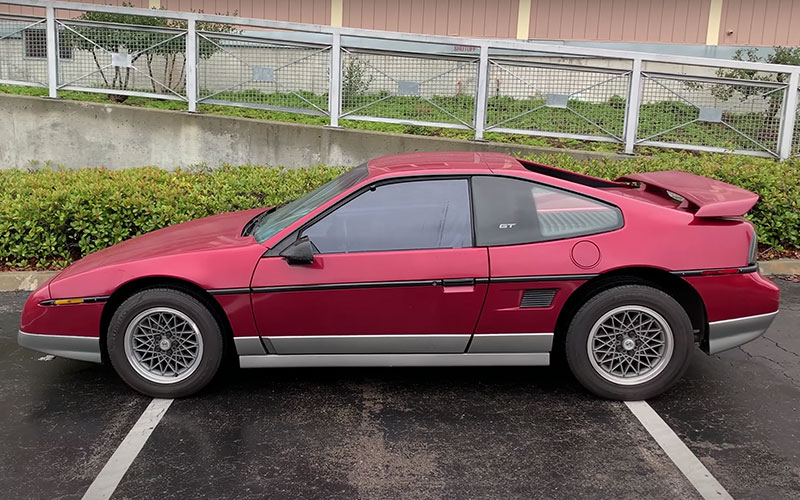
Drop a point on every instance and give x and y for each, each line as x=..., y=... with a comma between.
x=541, y=297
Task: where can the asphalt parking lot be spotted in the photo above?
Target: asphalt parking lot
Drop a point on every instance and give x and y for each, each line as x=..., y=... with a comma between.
x=403, y=433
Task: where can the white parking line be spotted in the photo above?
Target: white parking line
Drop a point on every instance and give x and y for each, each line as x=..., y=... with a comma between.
x=678, y=452
x=106, y=482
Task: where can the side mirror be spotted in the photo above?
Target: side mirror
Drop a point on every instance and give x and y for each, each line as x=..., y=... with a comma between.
x=301, y=252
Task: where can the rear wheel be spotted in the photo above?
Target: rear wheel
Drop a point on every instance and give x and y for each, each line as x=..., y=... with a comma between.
x=164, y=343
x=629, y=342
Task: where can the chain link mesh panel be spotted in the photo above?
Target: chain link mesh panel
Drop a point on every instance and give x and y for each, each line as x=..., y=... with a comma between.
x=559, y=99
x=123, y=59
x=437, y=91
x=727, y=113
x=23, y=50
x=264, y=74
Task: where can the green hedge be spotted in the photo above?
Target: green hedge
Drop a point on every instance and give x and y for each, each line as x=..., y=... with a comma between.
x=50, y=217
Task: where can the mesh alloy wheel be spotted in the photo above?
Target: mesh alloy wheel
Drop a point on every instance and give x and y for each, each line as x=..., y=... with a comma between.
x=630, y=345
x=163, y=345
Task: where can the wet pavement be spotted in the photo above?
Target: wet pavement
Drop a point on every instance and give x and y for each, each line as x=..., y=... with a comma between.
x=403, y=433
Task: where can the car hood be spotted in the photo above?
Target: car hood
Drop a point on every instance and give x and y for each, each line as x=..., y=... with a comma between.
x=210, y=233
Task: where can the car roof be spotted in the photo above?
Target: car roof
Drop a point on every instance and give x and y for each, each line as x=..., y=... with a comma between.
x=440, y=162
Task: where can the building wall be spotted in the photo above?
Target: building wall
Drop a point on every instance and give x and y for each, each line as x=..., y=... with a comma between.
x=38, y=11
x=760, y=22
x=664, y=21
x=298, y=11
x=470, y=18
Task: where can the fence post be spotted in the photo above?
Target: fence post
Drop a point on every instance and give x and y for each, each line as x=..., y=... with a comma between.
x=191, y=65
x=632, y=105
x=52, y=51
x=482, y=98
x=788, y=117
x=335, y=91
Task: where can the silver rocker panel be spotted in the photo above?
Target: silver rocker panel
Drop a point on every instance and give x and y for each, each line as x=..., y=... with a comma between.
x=394, y=360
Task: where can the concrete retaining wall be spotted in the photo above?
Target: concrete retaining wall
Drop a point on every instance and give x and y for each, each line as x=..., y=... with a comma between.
x=77, y=134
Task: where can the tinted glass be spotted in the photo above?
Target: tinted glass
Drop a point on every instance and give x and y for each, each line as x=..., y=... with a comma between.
x=512, y=211
x=276, y=221
x=400, y=216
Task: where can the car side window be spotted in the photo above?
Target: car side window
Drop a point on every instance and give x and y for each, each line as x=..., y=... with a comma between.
x=422, y=214
x=513, y=211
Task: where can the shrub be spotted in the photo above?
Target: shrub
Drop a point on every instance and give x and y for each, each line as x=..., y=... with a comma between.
x=49, y=217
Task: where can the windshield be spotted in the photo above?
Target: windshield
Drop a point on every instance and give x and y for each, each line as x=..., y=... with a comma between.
x=283, y=216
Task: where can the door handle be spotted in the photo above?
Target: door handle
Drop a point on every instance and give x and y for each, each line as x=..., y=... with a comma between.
x=459, y=282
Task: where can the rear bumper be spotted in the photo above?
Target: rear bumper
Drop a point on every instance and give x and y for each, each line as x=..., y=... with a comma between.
x=730, y=333
x=63, y=346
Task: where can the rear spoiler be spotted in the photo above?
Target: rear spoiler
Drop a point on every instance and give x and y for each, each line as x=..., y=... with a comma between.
x=710, y=197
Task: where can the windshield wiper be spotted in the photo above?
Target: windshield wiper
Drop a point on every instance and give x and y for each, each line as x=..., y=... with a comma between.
x=251, y=225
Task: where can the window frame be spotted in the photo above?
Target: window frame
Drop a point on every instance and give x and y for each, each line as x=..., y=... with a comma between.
x=293, y=236
x=554, y=188
x=375, y=186
x=297, y=233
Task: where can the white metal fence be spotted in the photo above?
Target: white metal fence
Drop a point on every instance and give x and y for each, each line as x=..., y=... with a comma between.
x=486, y=86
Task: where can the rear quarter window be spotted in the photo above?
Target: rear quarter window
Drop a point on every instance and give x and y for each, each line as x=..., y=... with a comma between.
x=513, y=211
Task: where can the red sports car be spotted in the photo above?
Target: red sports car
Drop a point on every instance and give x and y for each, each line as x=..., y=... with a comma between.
x=440, y=259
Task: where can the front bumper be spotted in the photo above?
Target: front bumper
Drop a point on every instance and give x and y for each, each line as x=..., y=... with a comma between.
x=730, y=333
x=63, y=346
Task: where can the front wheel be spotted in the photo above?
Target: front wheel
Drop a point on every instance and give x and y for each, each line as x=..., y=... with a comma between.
x=164, y=343
x=629, y=342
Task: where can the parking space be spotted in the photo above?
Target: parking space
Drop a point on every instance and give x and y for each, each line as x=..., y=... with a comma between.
x=410, y=433
x=484, y=433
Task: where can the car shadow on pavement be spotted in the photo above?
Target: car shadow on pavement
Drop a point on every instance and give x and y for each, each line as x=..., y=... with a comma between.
x=546, y=380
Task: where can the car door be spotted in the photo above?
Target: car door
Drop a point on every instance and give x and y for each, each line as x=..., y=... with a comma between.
x=394, y=271
x=540, y=252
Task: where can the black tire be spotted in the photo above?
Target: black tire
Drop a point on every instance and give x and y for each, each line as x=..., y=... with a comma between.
x=580, y=359
x=204, y=368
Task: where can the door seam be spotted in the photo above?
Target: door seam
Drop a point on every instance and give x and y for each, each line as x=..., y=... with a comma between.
x=483, y=303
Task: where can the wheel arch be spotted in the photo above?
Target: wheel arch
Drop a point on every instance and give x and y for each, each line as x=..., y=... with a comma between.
x=134, y=286
x=678, y=288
